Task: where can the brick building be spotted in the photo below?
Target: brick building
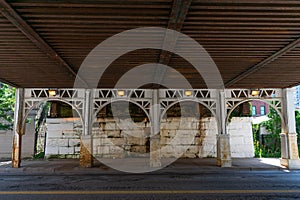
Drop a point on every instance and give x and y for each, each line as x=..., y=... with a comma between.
x=259, y=108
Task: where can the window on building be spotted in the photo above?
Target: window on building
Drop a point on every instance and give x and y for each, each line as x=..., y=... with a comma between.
x=253, y=110
x=262, y=110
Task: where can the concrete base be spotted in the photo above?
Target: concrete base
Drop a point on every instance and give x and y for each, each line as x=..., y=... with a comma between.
x=155, y=157
x=223, y=151
x=16, y=151
x=224, y=163
x=86, y=158
x=290, y=163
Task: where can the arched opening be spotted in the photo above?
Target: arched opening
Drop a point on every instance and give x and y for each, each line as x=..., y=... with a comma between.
x=188, y=130
x=254, y=127
x=121, y=129
x=52, y=130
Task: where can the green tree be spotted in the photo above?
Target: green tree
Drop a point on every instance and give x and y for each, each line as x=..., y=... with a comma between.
x=298, y=123
x=270, y=146
x=274, y=124
x=7, y=102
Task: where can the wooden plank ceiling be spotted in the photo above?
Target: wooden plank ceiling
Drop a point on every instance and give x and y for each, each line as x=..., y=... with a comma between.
x=255, y=44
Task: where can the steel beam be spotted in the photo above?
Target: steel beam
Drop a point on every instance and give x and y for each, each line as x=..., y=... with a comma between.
x=178, y=14
x=263, y=63
x=8, y=12
x=8, y=82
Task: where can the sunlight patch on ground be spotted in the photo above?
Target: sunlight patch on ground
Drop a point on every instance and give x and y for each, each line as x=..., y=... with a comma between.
x=271, y=161
x=5, y=163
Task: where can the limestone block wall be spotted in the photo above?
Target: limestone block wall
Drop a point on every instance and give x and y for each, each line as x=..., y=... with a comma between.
x=63, y=137
x=119, y=138
x=27, y=141
x=6, y=144
x=198, y=136
x=241, y=137
x=205, y=140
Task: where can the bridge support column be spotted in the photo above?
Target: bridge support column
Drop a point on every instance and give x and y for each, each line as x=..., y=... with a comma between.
x=223, y=139
x=18, y=128
x=86, y=158
x=289, y=145
x=155, y=157
x=86, y=145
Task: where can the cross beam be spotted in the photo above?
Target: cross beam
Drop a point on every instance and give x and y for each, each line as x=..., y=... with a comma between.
x=178, y=14
x=263, y=63
x=8, y=12
x=8, y=82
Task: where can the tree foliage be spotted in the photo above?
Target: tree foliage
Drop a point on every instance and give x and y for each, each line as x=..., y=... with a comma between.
x=298, y=124
x=271, y=145
x=268, y=145
x=273, y=125
x=7, y=102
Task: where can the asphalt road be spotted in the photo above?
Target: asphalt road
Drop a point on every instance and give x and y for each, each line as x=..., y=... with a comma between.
x=204, y=185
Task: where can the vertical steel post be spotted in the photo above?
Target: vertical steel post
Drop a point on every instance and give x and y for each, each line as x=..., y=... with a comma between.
x=86, y=145
x=18, y=128
x=223, y=139
x=155, y=132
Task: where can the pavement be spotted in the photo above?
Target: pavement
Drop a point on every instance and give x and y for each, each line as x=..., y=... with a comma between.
x=183, y=166
x=185, y=179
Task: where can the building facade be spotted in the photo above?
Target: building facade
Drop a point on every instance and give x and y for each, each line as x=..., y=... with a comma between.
x=259, y=108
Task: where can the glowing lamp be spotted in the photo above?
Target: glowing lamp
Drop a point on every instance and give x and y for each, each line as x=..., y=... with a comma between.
x=254, y=93
x=121, y=93
x=52, y=93
x=188, y=93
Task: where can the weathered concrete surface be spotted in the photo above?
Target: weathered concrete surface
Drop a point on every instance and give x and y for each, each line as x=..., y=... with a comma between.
x=224, y=153
x=185, y=179
x=196, y=165
x=289, y=151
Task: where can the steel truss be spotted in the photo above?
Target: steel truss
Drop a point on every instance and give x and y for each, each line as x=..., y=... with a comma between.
x=144, y=98
x=73, y=97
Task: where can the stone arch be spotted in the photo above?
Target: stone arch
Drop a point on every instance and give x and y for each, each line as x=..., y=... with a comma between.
x=262, y=100
x=48, y=100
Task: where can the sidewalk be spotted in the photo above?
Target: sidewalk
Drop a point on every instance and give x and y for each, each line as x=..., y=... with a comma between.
x=182, y=166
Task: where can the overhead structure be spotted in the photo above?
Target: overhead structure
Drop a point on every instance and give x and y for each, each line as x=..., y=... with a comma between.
x=255, y=44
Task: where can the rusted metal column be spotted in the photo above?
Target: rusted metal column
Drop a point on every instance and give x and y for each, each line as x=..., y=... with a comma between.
x=18, y=128
x=223, y=139
x=86, y=143
x=289, y=145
